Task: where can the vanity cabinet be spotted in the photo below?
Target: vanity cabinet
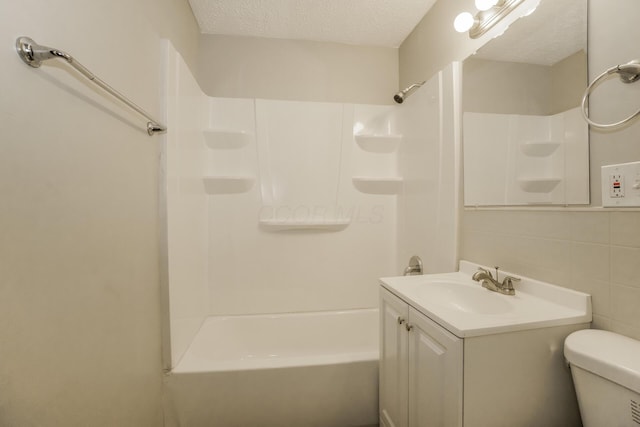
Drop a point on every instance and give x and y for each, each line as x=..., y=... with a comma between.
x=429, y=377
x=420, y=368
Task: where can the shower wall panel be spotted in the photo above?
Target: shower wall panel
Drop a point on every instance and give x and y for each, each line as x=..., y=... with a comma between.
x=184, y=159
x=429, y=161
x=302, y=238
x=526, y=160
x=286, y=206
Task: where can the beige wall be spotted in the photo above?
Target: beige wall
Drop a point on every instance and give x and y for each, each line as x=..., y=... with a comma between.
x=248, y=67
x=594, y=250
x=506, y=87
x=79, y=294
x=568, y=82
x=434, y=43
x=529, y=89
x=610, y=29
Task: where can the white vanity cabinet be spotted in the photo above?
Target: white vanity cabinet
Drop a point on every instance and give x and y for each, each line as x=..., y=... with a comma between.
x=420, y=368
x=431, y=377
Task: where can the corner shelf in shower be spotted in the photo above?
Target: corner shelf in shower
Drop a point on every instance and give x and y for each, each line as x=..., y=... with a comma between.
x=539, y=148
x=378, y=185
x=538, y=185
x=227, y=184
x=378, y=143
x=310, y=224
x=226, y=139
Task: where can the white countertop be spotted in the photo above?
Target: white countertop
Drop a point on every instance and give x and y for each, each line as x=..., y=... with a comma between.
x=466, y=309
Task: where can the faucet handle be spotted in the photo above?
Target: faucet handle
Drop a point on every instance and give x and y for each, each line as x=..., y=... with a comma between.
x=507, y=282
x=485, y=270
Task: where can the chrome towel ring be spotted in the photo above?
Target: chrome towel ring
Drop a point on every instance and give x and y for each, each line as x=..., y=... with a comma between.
x=629, y=73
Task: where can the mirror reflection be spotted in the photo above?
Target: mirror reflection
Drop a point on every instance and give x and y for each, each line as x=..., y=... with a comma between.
x=524, y=139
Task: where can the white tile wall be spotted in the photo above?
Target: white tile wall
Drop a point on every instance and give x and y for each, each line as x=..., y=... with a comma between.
x=590, y=250
x=429, y=161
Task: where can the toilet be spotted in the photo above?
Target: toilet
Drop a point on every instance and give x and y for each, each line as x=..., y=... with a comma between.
x=606, y=373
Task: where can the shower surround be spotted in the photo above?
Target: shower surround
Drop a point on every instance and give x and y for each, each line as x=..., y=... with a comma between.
x=292, y=210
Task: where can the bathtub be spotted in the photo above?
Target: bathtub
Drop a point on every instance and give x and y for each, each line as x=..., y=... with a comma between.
x=303, y=369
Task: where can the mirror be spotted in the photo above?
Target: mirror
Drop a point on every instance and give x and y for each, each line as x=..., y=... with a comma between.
x=524, y=139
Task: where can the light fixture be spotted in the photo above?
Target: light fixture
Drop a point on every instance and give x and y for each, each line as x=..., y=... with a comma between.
x=483, y=5
x=464, y=22
x=490, y=12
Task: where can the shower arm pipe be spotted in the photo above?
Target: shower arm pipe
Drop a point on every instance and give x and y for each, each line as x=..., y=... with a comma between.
x=33, y=55
x=413, y=86
x=399, y=97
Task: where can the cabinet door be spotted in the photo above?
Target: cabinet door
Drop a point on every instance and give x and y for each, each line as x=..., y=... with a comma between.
x=394, y=314
x=435, y=374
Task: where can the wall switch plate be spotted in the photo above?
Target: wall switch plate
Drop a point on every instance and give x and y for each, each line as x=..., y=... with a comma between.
x=621, y=185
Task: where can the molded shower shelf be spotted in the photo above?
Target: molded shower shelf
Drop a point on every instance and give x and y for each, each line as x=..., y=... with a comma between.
x=538, y=185
x=311, y=224
x=376, y=185
x=540, y=148
x=226, y=139
x=227, y=184
x=378, y=143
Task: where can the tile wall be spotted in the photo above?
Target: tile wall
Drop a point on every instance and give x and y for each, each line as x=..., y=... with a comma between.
x=590, y=250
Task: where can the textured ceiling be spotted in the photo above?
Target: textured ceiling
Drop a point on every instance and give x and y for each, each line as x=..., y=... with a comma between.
x=359, y=22
x=557, y=29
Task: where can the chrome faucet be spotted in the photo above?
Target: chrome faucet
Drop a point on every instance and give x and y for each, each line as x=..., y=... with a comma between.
x=415, y=267
x=486, y=278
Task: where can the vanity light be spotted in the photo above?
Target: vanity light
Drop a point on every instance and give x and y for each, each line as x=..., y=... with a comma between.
x=490, y=12
x=483, y=5
x=464, y=22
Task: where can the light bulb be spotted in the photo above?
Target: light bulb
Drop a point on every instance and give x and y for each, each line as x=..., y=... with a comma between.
x=485, y=4
x=463, y=22
x=533, y=8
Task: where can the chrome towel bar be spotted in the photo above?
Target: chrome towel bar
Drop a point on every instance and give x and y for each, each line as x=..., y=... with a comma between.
x=33, y=55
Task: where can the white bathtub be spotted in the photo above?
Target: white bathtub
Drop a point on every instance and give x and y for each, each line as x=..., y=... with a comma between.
x=306, y=369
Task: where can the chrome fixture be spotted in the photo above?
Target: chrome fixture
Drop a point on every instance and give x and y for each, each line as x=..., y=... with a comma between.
x=415, y=267
x=33, y=55
x=628, y=73
x=490, y=12
x=484, y=276
x=400, y=96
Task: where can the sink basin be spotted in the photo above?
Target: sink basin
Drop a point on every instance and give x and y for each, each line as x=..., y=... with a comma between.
x=465, y=298
x=466, y=309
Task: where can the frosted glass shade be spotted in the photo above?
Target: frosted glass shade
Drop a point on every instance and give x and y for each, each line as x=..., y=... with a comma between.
x=485, y=4
x=463, y=22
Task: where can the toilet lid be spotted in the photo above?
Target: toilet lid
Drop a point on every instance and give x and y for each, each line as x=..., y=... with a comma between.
x=607, y=354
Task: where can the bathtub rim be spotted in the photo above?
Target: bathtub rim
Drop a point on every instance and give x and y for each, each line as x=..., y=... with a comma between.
x=187, y=366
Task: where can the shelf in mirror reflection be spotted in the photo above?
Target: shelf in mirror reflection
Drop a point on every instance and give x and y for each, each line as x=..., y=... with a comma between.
x=227, y=184
x=318, y=224
x=378, y=143
x=378, y=185
x=226, y=139
x=539, y=148
x=538, y=185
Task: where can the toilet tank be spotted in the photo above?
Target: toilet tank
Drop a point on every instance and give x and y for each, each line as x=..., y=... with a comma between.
x=606, y=373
